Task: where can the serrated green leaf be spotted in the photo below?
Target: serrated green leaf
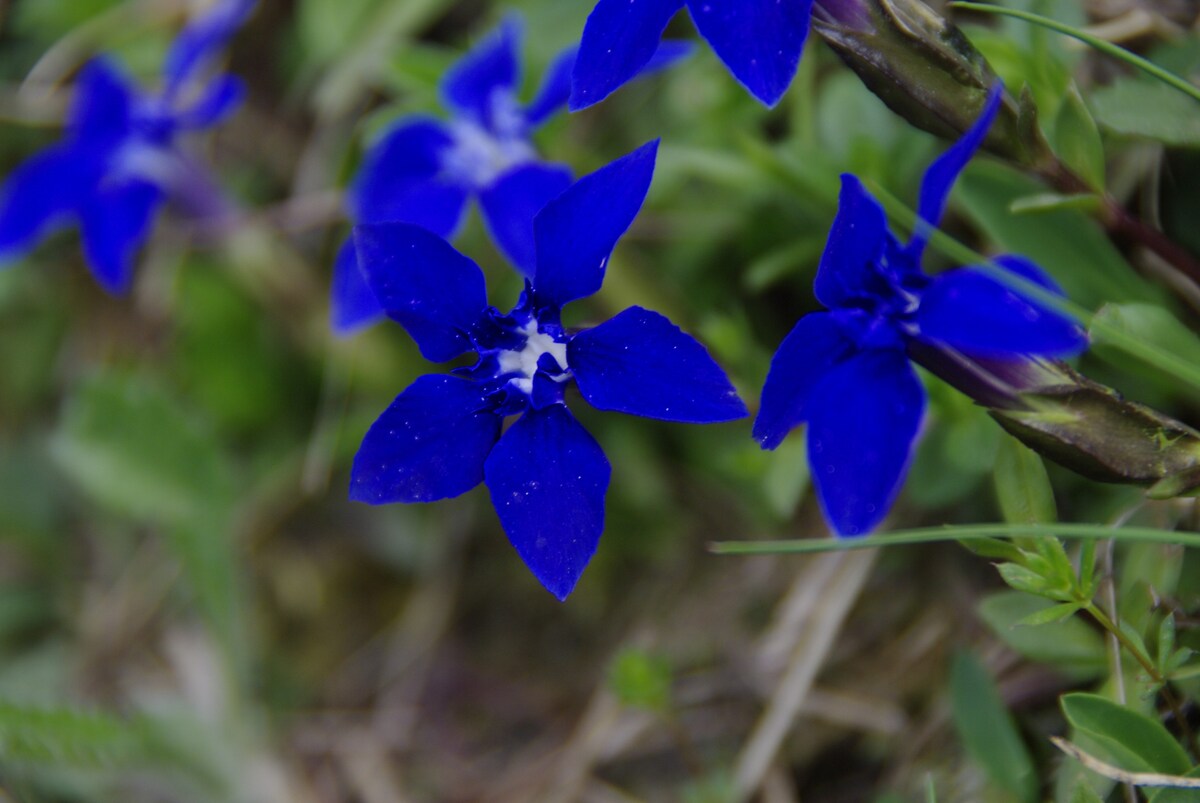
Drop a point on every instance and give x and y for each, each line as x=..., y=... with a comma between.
x=1023, y=486
x=988, y=731
x=1123, y=737
x=1070, y=646
x=1140, y=108
x=1051, y=615
x=1077, y=139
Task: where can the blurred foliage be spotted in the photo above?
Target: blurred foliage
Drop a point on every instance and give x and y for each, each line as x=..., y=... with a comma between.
x=191, y=610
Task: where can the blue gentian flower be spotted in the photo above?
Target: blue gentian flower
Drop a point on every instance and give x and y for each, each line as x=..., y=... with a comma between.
x=760, y=41
x=423, y=170
x=847, y=371
x=547, y=476
x=119, y=162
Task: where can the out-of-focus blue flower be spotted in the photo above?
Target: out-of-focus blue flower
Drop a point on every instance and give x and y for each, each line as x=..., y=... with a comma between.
x=547, y=476
x=847, y=371
x=760, y=42
x=118, y=161
x=424, y=170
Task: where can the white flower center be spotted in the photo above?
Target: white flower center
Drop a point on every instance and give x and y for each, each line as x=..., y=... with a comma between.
x=524, y=363
x=479, y=156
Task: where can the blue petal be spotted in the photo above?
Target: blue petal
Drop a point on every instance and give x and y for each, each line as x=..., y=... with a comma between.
x=510, y=205
x=670, y=52
x=619, y=40
x=492, y=65
x=856, y=243
x=201, y=38
x=353, y=306
x=555, y=88
x=760, y=41
x=940, y=177
x=115, y=223
x=548, y=477
x=642, y=364
x=577, y=231
x=399, y=180
x=430, y=444
x=434, y=292
x=221, y=98
x=39, y=193
x=102, y=106
x=971, y=311
x=816, y=345
x=863, y=419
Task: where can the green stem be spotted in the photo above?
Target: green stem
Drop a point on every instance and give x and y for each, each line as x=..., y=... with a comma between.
x=972, y=532
x=1172, y=702
x=1104, y=46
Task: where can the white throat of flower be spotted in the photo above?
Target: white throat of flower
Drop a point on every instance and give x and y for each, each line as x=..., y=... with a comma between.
x=480, y=156
x=524, y=363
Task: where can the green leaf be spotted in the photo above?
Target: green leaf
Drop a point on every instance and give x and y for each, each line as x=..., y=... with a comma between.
x=1139, y=108
x=1148, y=323
x=641, y=680
x=136, y=452
x=988, y=731
x=1166, y=640
x=1070, y=646
x=1066, y=242
x=1051, y=615
x=1023, y=579
x=1052, y=201
x=1077, y=139
x=1022, y=485
x=70, y=738
x=1083, y=793
x=1123, y=737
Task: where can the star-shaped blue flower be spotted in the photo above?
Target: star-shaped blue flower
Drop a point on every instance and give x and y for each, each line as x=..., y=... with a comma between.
x=546, y=474
x=119, y=162
x=760, y=41
x=847, y=371
x=423, y=171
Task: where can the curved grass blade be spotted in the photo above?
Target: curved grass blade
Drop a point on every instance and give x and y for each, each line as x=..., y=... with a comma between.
x=1104, y=46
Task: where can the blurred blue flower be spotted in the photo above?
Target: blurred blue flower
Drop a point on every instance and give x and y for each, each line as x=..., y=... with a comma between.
x=847, y=371
x=547, y=476
x=118, y=162
x=423, y=170
x=760, y=42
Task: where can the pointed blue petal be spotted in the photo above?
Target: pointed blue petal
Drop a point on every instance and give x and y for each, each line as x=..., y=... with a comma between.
x=39, y=193
x=353, y=306
x=971, y=311
x=548, y=477
x=115, y=223
x=642, y=364
x=555, y=89
x=493, y=65
x=201, y=38
x=817, y=343
x=430, y=444
x=863, y=419
x=760, y=41
x=102, y=104
x=510, y=205
x=400, y=180
x=619, y=40
x=434, y=292
x=856, y=243
x=941, y=175
x=576, y=232
x=220, y=99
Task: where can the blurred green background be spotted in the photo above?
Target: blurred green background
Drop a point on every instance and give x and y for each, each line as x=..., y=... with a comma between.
x=191, y=610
